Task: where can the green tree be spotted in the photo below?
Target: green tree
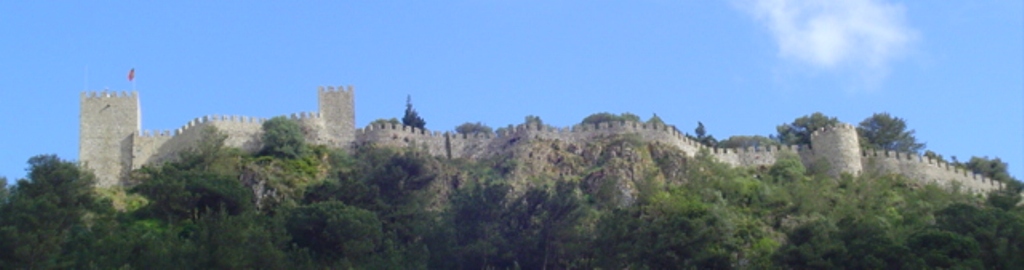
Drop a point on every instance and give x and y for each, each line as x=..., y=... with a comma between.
x=543, y=224
x=210, y=154
x=337, y=234
x=934, y=156
x=603, y=117
x=998, y=233
x=473, y=128
x=813, y=245
x=385, y=122
x=703, y=137
x=477, y=213
x=396, y=186
x=655, y=120
x=237, y=242
x=868, y=246
x=412, y=118
x=993, y=168
x=799, y=132
x=177, y=195
x=283, y=138
x=3, y=190
x=886, y=132
x=996, y=169
x=747, y=141
x=41, y=213
x=533, y=119
x=939, y=249
x=788, y=168
x=674, y=231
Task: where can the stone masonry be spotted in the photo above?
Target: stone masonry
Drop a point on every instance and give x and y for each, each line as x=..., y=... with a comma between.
x=112, y=144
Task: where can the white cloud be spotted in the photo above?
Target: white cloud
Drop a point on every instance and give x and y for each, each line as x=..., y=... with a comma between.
x=836, y=34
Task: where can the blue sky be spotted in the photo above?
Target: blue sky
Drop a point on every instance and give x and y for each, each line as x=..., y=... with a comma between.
x=953, y=69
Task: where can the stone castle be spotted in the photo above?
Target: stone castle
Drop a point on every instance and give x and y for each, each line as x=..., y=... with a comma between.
x=111, y=142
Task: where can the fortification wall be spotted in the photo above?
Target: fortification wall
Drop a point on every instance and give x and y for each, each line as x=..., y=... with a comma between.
x=927, y=170
x=111, y=144
x=107, y=121
x=403, y=136
x=314, y=128
x=477, y=145
x=154, y=147
x=656, y=133
x=761, y=156
x=243, y=132
x=146, y=147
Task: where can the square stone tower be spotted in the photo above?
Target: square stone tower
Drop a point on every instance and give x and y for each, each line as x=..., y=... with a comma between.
x=337, y=109
x=107, y=123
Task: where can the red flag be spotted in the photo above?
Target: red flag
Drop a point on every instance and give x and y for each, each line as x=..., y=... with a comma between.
x=131, y=74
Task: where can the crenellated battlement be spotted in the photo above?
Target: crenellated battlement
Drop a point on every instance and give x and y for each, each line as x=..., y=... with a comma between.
x=111, y=94
x=926, y=169
x=331, y=89
x=156, y=133
x=841, y=127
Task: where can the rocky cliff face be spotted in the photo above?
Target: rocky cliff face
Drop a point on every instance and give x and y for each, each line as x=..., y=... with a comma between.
x=612, y=170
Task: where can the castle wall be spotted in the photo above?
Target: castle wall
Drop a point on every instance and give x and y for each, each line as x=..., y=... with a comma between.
x=154, y=147
x=246, y=133
x=927, y=170
x=761, y=156
x=242, y=132
x=106, y=124
x=474, y=146
x=111, y=144
x=146, y=147
x=403, y=136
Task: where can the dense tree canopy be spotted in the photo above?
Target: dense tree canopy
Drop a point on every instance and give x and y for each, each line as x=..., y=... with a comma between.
x=799, y=131
x=39, y=219
x=471, y=128
x=886, y=132
x=609, y=117
x=386, y=122
x=747, y=141
x=283, y=137
x=655, y=120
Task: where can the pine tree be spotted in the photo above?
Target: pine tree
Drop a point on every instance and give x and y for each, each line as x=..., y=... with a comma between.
x=412, y=118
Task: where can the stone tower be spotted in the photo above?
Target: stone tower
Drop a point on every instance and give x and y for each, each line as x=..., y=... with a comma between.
x=107, y=123
x=337, y=109
x=840, y=147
